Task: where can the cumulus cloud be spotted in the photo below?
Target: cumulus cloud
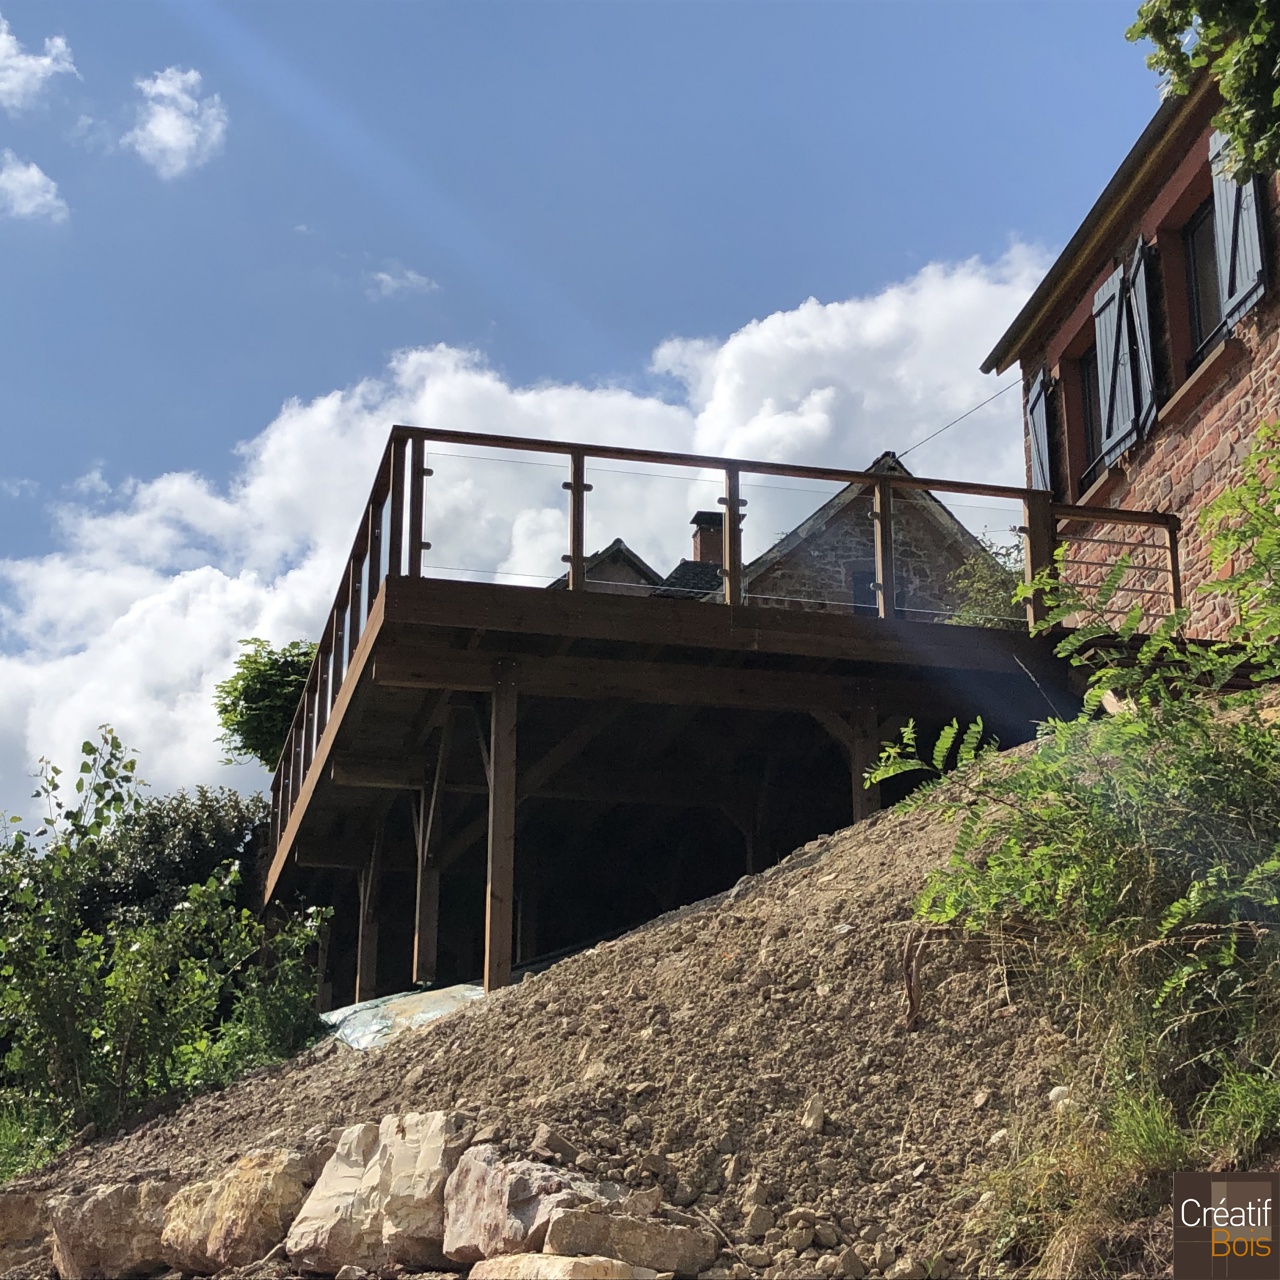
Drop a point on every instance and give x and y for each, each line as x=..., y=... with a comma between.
x=176, y=130
x=23, y=75
x=135, y=616
x=26, y=191
x=398, y=279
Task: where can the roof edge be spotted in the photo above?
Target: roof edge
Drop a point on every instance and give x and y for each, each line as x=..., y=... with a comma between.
x=1133, y=170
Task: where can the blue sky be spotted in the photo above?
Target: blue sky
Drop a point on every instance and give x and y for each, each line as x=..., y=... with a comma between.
x=604, y=218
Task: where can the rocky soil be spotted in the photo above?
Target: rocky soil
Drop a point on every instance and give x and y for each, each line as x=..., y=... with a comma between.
x=754, y=1056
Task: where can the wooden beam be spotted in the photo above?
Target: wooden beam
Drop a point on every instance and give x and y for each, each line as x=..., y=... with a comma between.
x=367, y=940
x=428, y=818
x=605, y=678
x=499, y=890
x=431, y=603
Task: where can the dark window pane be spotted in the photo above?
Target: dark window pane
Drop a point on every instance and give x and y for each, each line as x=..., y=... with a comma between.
x=1092, y=402
x=1202, y=269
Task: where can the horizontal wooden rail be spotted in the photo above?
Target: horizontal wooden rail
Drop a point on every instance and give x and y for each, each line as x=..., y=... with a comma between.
x=389, y=543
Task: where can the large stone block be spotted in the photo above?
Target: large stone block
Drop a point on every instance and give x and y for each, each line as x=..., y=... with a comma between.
x=550, y=1266
x=380, y=1199
x=111, y=1231
x=643, y=1242
x=493, y=1208
x=237, y=1217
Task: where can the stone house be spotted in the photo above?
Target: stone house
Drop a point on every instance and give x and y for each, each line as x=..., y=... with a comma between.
x=827, y=562
x=1150, y=352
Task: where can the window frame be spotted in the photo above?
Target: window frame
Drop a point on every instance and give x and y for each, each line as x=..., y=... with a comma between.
x=1201, y=340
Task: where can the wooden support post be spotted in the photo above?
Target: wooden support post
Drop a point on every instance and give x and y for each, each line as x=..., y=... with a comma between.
x=1175, y=572
x=578, y=489
x=864, y=752
x=1039, y=536
x=885, y=578
x=427, y=820
x=370, y=877
x=324, y=987
x=732, y=503
x=502, y=831
x=527, y=921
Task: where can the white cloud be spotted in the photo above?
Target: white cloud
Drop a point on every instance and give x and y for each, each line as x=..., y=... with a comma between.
x=177, y=130
x=398, y=279
x=23, y=75
x=26, y=191
x=135, y=617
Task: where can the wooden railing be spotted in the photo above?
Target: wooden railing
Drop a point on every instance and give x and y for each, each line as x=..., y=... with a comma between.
x=389, y=543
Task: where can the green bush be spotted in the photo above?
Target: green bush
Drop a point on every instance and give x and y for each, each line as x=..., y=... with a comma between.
x=980, y=592
x=95, y=1019
x=257, y=702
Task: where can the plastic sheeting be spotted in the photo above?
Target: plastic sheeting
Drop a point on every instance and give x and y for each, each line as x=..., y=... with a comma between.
x=373, y=1022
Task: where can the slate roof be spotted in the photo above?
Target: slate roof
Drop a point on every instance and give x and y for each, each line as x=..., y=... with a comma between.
x=691, y=579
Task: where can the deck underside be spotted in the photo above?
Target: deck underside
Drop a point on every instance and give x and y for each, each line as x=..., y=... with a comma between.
x=664, y=748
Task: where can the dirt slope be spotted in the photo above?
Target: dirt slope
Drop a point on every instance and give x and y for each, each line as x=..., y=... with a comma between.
x=698, y=1040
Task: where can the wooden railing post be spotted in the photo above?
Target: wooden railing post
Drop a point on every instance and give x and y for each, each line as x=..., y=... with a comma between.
x=395, y=552
x=355, y=617
x=578, y=489
x=374, y=553
x=1039, y=530
x=418, y=473
x=733, y=504
x=885, y=577
x=1175, y=570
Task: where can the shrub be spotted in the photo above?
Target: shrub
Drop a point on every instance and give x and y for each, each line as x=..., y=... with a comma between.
x=96, y=1019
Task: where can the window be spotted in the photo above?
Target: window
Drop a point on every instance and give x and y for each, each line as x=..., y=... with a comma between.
x=1091, y=412
x=862, y=587
x=1203, y=294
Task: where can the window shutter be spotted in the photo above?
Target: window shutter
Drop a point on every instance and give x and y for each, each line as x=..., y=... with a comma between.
x=1237, y=235
x=1144, y=383
x=1115, y=376
x=1038, y=429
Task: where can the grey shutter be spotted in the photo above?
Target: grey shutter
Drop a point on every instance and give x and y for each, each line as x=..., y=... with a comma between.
x=1115, y=376
x=1144, y=383
x=1038, y=430
x=1237, y=235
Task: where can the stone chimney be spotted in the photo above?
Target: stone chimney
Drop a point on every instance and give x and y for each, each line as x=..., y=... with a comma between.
x=708, y=537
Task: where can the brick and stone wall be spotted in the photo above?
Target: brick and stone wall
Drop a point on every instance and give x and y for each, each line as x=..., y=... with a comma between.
x=1205, y=428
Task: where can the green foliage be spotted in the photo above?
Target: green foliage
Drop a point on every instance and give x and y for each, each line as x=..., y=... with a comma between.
x=980, y=592
x=1128, y=871
x=1238, y=1114
x=1244, y=524
x=29, y=1137
x=157, y=849
x=1239, y=42
x=257, y=702
x=96, y=1018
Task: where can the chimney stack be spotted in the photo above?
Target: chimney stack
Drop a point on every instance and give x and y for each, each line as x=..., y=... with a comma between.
x=708, y=537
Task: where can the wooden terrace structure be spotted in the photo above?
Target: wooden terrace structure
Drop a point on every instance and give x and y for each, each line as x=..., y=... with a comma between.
x=654, y=733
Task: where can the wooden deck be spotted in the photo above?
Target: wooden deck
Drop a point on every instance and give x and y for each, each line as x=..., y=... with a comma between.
x=613, y=700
